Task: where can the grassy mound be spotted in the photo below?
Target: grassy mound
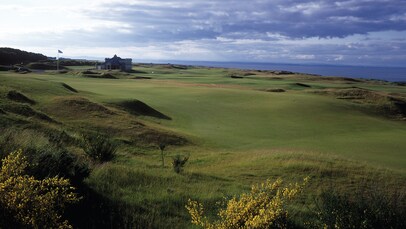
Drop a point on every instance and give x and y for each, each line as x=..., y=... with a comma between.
x=26, y=111
x=77, y=107
x=69, y=87
x=19, y=97
x=356, y=93
x=383, y=103
x=137, y=107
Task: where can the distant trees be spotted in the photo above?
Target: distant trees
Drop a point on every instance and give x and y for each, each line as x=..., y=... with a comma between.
x=9, y=56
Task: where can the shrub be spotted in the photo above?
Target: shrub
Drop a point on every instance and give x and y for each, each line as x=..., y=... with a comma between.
x=48, y=156
x=263, y=207
x=99, y=147
x=373, y=209
x=31, y=202
x=58, y=162
x=178, y=163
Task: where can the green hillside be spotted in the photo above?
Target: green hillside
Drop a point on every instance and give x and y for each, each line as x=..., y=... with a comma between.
x=9, y=56
x=237, y=127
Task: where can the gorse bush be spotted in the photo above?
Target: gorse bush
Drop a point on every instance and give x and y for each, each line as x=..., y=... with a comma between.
x=99, y=147
x=178, y=162
x=263, y=207
x=33, y=203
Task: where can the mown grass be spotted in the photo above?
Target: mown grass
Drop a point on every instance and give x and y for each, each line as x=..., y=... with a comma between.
x=243, y=119
x=238, y=134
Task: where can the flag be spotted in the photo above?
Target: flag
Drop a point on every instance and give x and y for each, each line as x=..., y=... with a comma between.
x=59, y=51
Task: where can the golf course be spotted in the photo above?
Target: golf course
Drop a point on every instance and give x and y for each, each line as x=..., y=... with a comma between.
x=236, y=128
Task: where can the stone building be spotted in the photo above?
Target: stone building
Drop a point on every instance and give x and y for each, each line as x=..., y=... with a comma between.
x=117, y=63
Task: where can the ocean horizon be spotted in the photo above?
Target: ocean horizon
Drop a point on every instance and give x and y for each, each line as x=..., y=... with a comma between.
x=392, y=74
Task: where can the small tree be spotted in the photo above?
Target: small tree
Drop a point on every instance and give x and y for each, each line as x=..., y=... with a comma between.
x=263, y=207
x=179, y=162
x=33, y=203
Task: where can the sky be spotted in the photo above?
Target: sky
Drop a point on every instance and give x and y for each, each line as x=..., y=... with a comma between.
x=347, y=32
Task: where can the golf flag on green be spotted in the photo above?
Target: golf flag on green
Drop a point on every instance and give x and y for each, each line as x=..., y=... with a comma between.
x=59, y=51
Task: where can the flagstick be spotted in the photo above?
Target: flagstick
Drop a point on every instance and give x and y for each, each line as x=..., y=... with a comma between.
x=57, y=62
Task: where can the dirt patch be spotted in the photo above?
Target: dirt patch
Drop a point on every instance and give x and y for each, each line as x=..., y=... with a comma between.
x=69, y=87
x=19, y=97
x=137, y=107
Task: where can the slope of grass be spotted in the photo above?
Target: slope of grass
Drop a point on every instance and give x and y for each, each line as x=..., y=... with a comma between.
x=237, y=134
x=245, y=119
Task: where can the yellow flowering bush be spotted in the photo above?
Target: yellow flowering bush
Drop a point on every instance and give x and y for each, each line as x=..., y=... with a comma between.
x=262, y=207
x=33, y=203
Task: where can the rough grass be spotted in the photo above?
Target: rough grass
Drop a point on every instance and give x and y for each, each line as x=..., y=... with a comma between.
x=19, y=97
x=388, y=104
x=26, y=111
x=241, y=135
x=75, y=106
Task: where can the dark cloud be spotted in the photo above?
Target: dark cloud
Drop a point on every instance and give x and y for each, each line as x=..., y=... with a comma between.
x=177, y=20
x=325, y=31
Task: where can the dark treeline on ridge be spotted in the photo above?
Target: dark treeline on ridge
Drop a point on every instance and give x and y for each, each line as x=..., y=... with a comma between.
x=15, y=56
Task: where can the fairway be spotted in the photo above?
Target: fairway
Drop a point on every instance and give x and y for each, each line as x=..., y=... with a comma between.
x=230, y=115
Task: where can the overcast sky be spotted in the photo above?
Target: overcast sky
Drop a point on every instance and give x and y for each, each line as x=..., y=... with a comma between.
x=357, y=32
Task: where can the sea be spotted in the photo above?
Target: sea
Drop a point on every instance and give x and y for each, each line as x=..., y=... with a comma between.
x=392, y=74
